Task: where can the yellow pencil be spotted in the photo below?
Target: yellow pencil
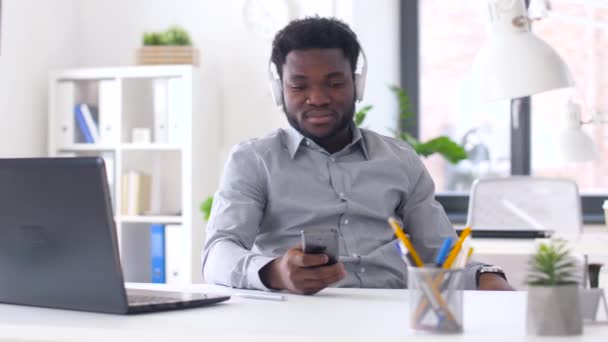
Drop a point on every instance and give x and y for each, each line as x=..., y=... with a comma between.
x=469, y=254
x=454, y=253
x=401, y=236
x=446, y=265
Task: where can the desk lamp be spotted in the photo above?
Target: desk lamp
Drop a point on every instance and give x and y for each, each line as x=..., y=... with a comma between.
x=574, y=144
x=514, y=62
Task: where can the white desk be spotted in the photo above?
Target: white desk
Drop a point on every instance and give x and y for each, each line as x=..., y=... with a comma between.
x=513, y=254
x=332, y=315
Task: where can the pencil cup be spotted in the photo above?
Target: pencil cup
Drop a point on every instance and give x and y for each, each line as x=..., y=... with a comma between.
x=435, y=299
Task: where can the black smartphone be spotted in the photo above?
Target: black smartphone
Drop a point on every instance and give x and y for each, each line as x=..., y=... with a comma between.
x=322, y=242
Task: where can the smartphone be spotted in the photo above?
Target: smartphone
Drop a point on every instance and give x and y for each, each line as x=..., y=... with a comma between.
x=322, y=242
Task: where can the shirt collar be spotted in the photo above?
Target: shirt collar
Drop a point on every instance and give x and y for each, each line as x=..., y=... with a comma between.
x=295, y=139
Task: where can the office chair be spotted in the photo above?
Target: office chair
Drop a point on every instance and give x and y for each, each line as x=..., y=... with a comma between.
x=525, y=203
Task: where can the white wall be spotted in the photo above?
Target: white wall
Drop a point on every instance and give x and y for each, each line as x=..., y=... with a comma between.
x=43, y=35
x=37, y=36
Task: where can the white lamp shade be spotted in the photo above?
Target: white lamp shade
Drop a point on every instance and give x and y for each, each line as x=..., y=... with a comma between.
x=514, y=62
x=576, y=146
x=513, y=65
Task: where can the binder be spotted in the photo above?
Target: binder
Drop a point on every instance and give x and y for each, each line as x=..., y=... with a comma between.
x=177, y=107
x=161, y=108
x=173, y=254
x=157, y=253
x=65, y=113
x=109, y=111
x=87, y=136
x=90, y=118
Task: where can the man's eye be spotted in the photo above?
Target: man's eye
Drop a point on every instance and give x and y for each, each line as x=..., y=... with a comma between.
x=297, y=87
x=336, y=84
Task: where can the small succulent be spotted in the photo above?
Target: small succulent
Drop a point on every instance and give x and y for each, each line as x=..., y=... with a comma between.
x=552, y=265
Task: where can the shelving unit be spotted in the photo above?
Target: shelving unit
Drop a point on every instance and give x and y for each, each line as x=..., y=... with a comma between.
x=180, y=158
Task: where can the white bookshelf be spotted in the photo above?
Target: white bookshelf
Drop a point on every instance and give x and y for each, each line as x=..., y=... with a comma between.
x=181, y=157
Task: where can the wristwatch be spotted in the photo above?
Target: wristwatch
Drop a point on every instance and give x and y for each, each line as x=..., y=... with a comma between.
x=489, y=269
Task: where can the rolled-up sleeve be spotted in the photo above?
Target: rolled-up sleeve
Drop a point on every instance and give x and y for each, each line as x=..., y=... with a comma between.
x=237, y=210
x=426, y=222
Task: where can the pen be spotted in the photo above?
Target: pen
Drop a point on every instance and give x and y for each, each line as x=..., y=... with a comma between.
x=446, y=265
x=401, y=236
x=263, y=296
x=443, y=251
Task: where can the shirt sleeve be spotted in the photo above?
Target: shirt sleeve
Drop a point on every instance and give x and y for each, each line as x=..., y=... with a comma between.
x=237, y=210
x=427, y=223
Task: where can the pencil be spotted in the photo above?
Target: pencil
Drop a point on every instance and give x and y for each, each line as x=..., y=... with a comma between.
x=401, y=236
x=448, y=262
x=436, y=283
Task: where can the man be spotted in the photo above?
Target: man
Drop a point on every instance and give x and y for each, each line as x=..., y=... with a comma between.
x=322, y=173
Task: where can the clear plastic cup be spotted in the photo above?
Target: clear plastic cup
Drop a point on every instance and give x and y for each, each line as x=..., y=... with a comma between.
x=436, y=299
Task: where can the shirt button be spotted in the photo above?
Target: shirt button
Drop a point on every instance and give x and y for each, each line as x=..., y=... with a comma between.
x=346, y=221
x=341, y=195
x=332, y=159
x=362, y=270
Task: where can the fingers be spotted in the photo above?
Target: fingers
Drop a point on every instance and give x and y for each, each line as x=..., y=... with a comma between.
x=312, y=286
x=312, y=280
x=298, y=258
x=309, y=273
x=324, y=273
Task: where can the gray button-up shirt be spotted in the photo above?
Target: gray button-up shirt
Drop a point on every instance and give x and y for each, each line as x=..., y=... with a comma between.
x=275, y=187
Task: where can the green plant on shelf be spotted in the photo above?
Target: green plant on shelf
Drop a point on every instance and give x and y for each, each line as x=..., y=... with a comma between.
x=442, y=145
x=173, y=36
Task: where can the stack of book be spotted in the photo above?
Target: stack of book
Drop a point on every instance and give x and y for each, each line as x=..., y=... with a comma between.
x=135, y=194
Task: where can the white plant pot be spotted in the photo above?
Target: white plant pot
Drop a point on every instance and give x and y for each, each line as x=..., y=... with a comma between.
x=554, y=310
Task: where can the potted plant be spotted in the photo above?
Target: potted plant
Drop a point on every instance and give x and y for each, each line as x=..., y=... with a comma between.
x=172, y=46
x=443, y=145
x=553, y=295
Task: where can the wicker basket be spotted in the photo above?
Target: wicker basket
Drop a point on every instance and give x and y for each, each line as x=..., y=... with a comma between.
x=151, y=55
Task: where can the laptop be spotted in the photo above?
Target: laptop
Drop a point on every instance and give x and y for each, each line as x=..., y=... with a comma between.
x=509, y=233
x=58, y=245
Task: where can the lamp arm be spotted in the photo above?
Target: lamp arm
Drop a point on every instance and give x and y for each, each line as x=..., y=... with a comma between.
x=599, y=117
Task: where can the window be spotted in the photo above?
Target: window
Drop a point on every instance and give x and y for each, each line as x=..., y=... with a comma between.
x=578, y=30
x=439, y=42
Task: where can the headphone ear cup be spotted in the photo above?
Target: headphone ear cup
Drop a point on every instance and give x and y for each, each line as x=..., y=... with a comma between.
x=276, y=89
x=359, y=86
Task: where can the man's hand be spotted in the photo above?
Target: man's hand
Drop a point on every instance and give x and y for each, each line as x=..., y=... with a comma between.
x=301, y=273
x=493, y=282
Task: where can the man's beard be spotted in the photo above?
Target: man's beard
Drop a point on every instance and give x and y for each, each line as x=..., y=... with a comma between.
x=342, y=124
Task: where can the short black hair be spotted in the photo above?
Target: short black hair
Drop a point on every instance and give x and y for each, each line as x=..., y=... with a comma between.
x=315, y=33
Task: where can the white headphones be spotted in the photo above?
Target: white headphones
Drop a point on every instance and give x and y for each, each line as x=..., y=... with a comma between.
x=276, y=86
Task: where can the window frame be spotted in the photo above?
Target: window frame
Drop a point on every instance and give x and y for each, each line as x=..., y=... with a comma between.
x=456, y=205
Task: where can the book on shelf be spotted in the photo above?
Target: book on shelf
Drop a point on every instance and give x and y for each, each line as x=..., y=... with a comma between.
x=135, y=194
x=157, y=253
x=86, y=120
x=173, y=255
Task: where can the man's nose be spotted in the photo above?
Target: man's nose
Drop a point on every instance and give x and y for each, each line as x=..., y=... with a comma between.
x=318, y=96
